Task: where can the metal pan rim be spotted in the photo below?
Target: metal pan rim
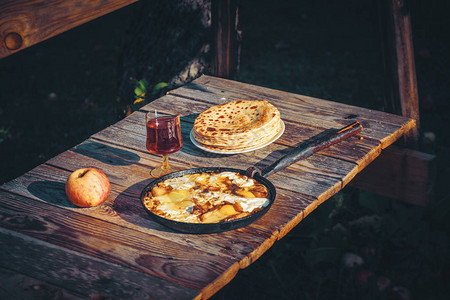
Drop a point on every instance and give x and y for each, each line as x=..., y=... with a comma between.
x=202, y=228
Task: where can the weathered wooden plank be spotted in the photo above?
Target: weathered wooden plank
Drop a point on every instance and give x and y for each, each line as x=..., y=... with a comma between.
x=46, y=184
x=294, y=205
x=132, y=249
x=303, y=176
x=291, y=137
x=20, y=286
x=227, y=88
x=316, y=112
x=135, y=124
x=82, y=274
x=24, y=23
x=364, y=150
x=312, y=113
x=130, y=210
x=224, y=19
x=401, y=95
x=314, y=181
x=306, y=180
x=376, y=124
x=369, y=145
x=245, y=244
x=378, y=127
x=317, y=166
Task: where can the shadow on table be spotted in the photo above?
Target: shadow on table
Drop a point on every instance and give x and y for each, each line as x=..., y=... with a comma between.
x=107, y=154
x=302, y=149
x=51, y=192
x=129, y=207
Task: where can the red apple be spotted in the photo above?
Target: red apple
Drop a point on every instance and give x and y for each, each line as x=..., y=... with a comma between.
x=87, y=187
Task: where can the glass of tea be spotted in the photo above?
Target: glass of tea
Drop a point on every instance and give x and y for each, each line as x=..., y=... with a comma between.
x=163, y=138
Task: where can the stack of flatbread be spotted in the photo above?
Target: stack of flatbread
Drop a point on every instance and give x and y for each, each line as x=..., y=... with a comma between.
x=237, y=125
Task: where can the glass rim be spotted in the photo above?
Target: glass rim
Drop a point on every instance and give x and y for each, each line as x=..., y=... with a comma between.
x=154, y=115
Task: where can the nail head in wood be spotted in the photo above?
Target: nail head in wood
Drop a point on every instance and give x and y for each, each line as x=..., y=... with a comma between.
x=13, y=41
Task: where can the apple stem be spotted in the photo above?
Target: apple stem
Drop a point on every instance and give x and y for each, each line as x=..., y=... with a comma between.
x=82, y=174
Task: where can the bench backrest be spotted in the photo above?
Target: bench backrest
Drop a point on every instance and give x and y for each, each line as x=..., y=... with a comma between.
x=24, y=23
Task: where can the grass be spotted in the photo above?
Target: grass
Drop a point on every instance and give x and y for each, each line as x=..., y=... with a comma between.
x=55, y=94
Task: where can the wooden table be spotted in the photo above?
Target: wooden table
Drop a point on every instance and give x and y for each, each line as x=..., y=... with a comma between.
x=50, y=246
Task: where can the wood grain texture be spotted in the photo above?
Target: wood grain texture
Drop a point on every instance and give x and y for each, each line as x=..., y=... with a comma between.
x=401, y=94
x=24, y=23
x=80, y=274
x=124, y=209
x=224, y=19
x=121, y=246
x=306, y=110
x=119, y=236
x=20, y=286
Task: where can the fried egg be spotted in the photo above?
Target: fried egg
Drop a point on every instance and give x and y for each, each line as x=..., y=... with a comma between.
x=207, y=197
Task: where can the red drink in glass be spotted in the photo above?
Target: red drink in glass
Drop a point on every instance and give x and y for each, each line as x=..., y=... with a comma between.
x=163, y=138
x=164, y=135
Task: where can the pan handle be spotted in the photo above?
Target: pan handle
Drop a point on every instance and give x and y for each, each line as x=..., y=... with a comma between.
x=309, y=147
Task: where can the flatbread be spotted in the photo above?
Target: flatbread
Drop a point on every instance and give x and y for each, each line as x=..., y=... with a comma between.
x=250, y=145
x=237, y=124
